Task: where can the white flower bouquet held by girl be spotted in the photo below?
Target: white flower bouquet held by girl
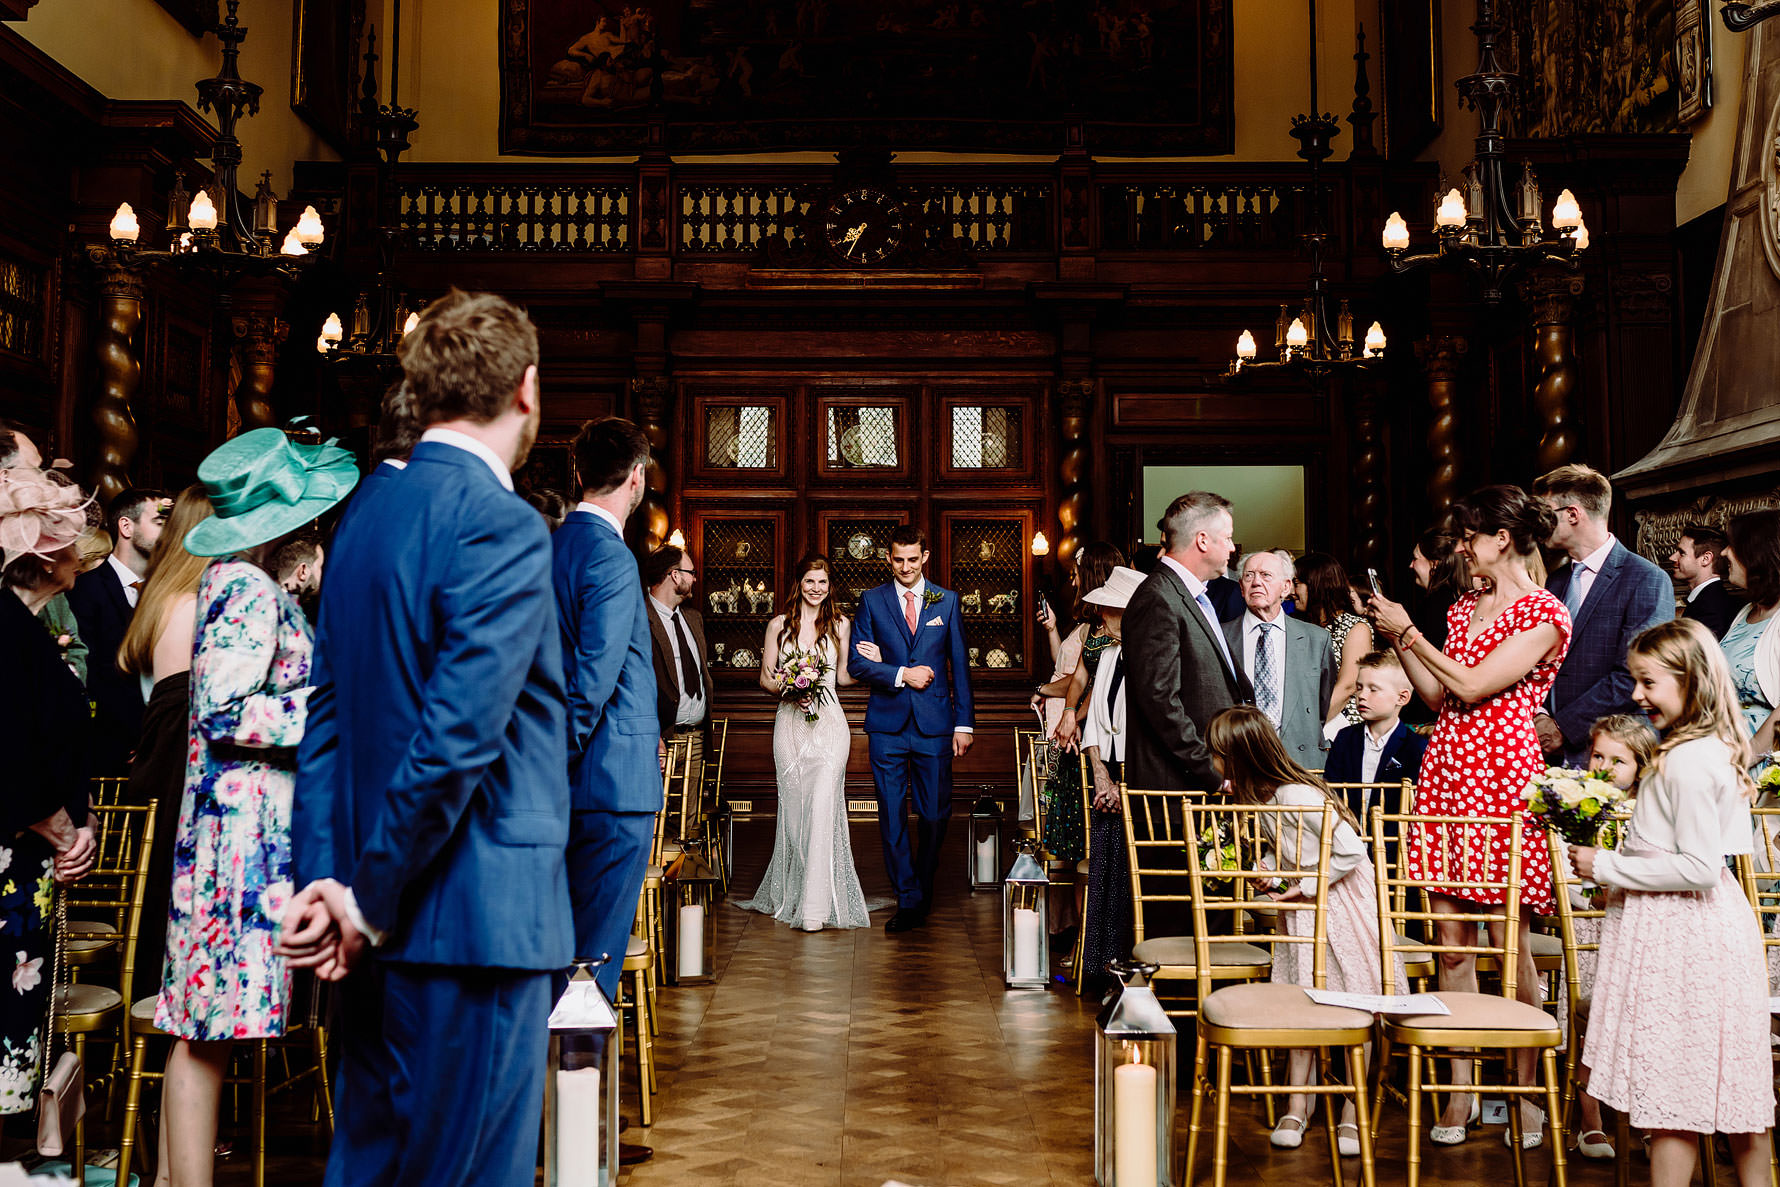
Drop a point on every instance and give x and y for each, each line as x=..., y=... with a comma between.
x=1578, y=805
x=801, y=680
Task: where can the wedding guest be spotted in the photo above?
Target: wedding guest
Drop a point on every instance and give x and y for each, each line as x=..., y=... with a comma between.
x=1107, y=911
x=681, y=660
x=1611, y=593
x=157, y=651
x=250, y=687
x=552, y=506
x=44, y=727
x=1750, y=645
x=1259, y=770
x=1380, y=749
x=1701, y=565
x=103, y=601
x=17, y=449
x=398, y=428
x=1290, y=663
x=1325, y=598
x=1678, y=1028
x=1504, y=645
x=1179, y=665
x=433, y=805
x=1442, y=575
x=296, y=567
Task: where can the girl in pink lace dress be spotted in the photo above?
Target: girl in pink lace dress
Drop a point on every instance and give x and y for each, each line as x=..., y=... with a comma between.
x=1678, y=1028
x=1503, y=647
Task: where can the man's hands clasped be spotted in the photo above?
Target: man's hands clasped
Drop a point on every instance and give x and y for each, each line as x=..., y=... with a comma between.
x=318, y=932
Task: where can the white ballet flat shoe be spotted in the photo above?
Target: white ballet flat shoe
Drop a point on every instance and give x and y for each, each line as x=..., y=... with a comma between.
x=1289, y=1139
x=1601, y=1151
x=1530, y=1139
x=1347, y=1139
x=1453, y=1135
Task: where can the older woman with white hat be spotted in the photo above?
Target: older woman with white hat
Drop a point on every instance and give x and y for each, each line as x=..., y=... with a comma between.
x=1106, y=911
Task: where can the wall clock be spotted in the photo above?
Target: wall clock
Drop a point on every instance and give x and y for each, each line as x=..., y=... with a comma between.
x=864, y=225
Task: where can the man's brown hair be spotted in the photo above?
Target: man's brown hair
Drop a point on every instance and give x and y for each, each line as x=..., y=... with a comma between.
x=466, y=357
x=1584, y=486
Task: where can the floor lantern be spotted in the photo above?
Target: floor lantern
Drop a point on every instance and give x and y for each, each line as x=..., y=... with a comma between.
x=692, y=938
x=581, y=1091
x=1134, y=1086
x=1025, y=931
x=984, y=851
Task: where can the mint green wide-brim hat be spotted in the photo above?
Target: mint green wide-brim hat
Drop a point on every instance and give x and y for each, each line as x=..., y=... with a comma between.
x=263, y=485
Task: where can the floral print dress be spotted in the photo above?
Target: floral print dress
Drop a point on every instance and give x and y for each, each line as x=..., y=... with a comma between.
x=231, y=856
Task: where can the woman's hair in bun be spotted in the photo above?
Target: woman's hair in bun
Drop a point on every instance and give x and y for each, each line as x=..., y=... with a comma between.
x=1528, y=521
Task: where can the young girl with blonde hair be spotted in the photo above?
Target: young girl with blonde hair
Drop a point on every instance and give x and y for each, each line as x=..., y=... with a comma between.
x=1257, y=769
x=1678, y=1029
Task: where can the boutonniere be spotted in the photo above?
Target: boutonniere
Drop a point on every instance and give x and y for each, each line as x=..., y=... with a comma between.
x=931, y=597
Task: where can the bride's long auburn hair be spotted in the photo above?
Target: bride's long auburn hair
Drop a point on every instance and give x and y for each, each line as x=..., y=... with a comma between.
x=828, y=619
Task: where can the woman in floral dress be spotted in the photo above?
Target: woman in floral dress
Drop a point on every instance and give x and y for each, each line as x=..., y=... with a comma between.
x=1504, y=645
x=231, y=856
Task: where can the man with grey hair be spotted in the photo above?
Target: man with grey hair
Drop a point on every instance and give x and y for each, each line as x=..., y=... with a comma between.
x=1178, y=668
x=1290, y=662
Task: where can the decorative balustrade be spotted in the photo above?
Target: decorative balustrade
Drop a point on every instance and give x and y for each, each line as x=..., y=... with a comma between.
x=525, y=216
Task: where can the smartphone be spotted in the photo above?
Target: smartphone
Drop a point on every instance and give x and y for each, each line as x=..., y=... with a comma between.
x=1372, y=579
x=1044, y=606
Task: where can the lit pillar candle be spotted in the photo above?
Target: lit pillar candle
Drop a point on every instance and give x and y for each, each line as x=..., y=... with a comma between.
x=578, y=1110
x=1025, y=943
x=692, y=940
x=986, y=860
x=1134, y=1125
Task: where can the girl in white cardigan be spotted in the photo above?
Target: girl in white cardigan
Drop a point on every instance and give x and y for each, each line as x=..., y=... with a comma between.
x=1678, y=1029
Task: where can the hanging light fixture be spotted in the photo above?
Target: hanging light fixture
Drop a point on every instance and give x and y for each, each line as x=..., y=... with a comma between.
x=1492, y=233
x=212, y=229
x=1310, y=341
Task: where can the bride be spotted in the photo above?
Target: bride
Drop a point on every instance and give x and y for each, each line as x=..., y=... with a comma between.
x=811, y=881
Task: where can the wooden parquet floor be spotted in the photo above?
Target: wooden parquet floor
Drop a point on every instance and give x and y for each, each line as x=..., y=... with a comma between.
x=853, y=1058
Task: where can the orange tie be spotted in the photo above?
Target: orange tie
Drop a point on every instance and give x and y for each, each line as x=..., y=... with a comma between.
x=909, y=609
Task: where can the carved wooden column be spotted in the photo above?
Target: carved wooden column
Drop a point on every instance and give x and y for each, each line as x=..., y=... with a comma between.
x=1075, y=404
x=120, y=371
x=1551, y=297
x=1371, y=522
x=652, y=398
x=1440, y=361
x=256, y=317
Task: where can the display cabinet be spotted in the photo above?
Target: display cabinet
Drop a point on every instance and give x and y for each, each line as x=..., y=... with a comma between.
x=987, y=562
x=741, y=568
x=740, y=435
x=862, y=437
x=858, y=548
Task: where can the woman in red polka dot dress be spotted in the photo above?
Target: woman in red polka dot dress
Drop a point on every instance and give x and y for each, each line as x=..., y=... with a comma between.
x=1504, y=644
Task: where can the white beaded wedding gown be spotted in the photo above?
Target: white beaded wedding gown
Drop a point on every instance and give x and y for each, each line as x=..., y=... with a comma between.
x=811, y=881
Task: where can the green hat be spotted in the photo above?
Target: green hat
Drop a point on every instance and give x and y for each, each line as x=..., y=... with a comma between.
x=263, y=486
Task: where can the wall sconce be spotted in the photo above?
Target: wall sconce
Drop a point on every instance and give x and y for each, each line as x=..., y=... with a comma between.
x=1040, y=545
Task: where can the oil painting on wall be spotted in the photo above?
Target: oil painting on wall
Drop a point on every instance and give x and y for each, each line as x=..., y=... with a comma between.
x=1139, y=76
x=1595, y=66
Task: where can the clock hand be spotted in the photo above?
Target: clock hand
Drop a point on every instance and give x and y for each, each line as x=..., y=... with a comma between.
x=851, y=239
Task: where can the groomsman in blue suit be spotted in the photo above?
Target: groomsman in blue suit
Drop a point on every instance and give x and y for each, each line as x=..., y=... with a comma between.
x=431, y=811
x=614, y=735
x=908, y=644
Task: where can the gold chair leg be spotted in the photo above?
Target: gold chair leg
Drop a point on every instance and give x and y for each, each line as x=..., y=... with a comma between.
x=1708, y=1160
x=259, y=1113
x=1329, y=1110
x=1196, y=1111
x=1381, y=1073
x=1622, y=1150
x=1511, y=1075
x=1557, y=1137
x=1356, y=1063
x=645, y=1106
x=79, y=1161
x=323, y=1084
x=1414, y=1166
x=132, y=1107
x=1080, y=950
x=1268, y=1104
x=1221, y=1139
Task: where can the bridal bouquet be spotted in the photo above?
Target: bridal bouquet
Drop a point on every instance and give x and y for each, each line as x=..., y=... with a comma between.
x=801, y=680
x=1577, y=805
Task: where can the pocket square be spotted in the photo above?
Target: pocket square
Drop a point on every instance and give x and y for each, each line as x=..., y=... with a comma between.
x=934, y=621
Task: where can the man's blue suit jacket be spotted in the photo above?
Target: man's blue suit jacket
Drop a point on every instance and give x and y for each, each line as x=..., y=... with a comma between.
x=603, y=621
x=1402, y=757
x=937, y=642
x=431, y=777
x=1628, y=595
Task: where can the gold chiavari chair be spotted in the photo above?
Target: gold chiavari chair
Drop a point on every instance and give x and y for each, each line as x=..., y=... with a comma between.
x=637, y=1001
x=1453, y=855
x=1083, y=869
x=675, y=776
x=1760, y=875
x=1027, y=754
x=98, y=903
x=109, y=789
x=1261, y=1016
x=1395, y=798
x=719, y=824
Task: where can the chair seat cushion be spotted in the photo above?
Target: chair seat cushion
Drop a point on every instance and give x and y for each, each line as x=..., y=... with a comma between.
x=1264, y=1005
x=90, y=927
x=1180, y=951
x=142, y=1016
x=1081, y=867
x=1483, y=1011
x=83, y=1007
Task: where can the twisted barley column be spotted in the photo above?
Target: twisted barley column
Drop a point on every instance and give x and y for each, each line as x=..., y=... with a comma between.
x=1369, y=498
x=1440, y=358
x=1075, y=400
x=120, y=371
x=651, y=397
x=1552, y=298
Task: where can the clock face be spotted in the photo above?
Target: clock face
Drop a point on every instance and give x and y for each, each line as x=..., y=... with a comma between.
x=863, y=226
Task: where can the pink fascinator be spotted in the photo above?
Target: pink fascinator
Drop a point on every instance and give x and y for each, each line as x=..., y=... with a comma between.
x=38, y=515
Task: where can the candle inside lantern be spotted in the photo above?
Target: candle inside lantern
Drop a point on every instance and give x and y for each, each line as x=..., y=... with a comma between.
x=1026, y=944
x=202, y=215
x=124, y=225
x=692, y=940
x=986, y=860
x=1134, y=1124
x=578, y=1110
x=1396, y=233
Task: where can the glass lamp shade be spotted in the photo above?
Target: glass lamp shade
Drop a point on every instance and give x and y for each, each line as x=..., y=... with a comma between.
x=691, y=936
x=309, y=229
x=124, y=226
x=1297, y=336
x=982, y=855
x=1025, y=930
x=1396, y=233
x=1451, y=214
x=581, y=1089
x=408, y=326
x=1566, y=213
x=1245, y=346
x=331, y=329
x=1375, y=341
x=1040, y=545
x=1580, y=235
x=677, y=539
x=202, y=212
x=1134, y=1056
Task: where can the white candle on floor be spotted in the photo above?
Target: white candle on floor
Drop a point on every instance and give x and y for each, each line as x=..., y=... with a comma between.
x=1134, y=1125
x=578, y=1110
x=692, y=940
x=986, y=860
x=1026, y=944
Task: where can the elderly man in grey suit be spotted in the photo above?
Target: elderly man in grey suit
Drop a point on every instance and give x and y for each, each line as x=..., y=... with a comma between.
x=1290, y=663
x=1178, y=670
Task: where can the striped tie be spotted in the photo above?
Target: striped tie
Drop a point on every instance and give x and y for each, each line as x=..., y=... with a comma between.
x=1266, y=695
